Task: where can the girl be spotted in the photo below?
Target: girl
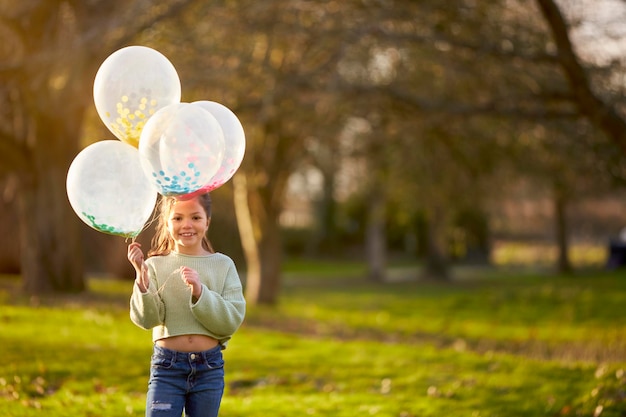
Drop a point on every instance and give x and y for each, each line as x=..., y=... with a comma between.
x=191, y=297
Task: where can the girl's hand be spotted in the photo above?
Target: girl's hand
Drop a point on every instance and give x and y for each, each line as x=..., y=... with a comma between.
x=135, y=256
x=191, y=279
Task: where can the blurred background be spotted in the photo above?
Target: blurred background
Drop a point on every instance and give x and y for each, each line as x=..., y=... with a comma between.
x=424, y=135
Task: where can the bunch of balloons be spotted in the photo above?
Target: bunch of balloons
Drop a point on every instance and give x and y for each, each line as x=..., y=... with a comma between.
x=165, y=146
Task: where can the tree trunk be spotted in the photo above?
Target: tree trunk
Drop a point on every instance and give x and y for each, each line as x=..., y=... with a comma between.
x=248, y=240
x=324, y=236
x=270, y=248
x=376, y=247
x=50, y=237
x=564, y=265
x=436, y=264
x=34, y=279
x=261, y=242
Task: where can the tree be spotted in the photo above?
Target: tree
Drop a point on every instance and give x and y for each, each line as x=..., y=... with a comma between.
x=284, y=67
x=500, y=68
x=601, y=113
x=278, y=74
x=50, y=55
x=450, y=81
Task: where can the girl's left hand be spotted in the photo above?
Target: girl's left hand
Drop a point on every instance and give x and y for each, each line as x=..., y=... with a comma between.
x=191, y=279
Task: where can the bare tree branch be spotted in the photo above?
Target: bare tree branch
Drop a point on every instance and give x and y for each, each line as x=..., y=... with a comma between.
x=529, y=107
x=103, y=28
x=600, y=113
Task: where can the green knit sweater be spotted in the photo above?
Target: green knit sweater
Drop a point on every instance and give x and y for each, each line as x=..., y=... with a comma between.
x=167, y=307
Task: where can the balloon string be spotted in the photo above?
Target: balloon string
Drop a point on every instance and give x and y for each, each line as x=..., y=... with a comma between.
x=160, y=288
x=145, y=227
x=152, y=219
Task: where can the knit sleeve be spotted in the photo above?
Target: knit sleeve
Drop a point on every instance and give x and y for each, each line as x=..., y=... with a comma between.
x=147, y=309
x=221, y=313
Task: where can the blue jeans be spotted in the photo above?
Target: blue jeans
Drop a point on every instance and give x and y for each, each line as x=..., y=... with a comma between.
x=190, y=381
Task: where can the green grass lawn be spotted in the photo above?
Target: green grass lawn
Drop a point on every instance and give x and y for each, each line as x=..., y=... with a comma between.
x=494, y=344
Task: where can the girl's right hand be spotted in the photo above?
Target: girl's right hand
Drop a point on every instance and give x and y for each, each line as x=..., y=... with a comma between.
x=136, y=258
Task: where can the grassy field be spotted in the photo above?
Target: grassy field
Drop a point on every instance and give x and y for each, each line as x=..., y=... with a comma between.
x=490, y=344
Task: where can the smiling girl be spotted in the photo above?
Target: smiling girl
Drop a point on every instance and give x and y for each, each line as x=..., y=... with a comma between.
x=191, y=297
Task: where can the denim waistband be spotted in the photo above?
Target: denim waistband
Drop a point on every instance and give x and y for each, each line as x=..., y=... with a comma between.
x=175, y=355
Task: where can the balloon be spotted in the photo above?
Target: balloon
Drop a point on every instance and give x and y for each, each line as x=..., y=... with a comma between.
x=234, y=144
x=130, y=86
x=181, y=148
x=108, y=190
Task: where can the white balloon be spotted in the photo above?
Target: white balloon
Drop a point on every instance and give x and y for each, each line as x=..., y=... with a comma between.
x=234, y=143
x=130, y=86
x=181, y=148
x=108, y=190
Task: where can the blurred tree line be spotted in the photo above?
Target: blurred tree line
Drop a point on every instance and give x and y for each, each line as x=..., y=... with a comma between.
x=413, y=118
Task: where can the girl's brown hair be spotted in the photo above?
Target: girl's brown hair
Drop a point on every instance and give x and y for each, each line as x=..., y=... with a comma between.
x=162, y=242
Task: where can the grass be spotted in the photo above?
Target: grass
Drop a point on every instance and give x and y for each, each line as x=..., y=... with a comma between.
x=492, y=344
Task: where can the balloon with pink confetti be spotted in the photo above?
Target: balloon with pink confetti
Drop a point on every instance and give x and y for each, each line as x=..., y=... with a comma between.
x=234, y=144
x=181, y=148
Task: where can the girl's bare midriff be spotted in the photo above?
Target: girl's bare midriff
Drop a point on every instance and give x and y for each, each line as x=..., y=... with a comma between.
x=188, y=343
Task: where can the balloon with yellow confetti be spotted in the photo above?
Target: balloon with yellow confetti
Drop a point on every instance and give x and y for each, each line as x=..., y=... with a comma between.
x=130, y=86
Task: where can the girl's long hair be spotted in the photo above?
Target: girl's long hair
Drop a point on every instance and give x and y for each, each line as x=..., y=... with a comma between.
x=162, y=241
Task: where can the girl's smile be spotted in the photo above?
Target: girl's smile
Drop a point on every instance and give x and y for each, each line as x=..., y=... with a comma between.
x=187, y=225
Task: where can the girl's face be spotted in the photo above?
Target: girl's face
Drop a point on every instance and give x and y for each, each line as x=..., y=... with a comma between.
x=187, y=225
